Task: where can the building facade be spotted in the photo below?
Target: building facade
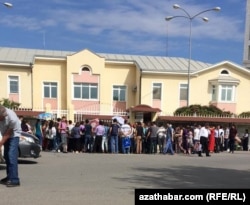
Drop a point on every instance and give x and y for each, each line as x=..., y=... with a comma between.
x=86, y=84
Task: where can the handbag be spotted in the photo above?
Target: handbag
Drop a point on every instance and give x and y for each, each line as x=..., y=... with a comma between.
x=49, y=135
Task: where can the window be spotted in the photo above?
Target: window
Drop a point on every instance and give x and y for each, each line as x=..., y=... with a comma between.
x=226, y=93
x=224, y=72
x=85, y=91
x=50, y=90
x=14, y=84
x=157, y=91
x=214, y=93
x=119, y=93
x=183, y=91
x=85, y=69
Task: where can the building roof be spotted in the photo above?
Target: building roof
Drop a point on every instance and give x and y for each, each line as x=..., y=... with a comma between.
x=143, y=108
x=24, y=56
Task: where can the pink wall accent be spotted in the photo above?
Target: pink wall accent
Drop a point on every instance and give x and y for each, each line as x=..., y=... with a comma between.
x=226, y=106
x=14, y=97
x=183, y=103
x=85, y=77
x=52, y=102
x=86, y=105
x=156, y=104
x=119, y=106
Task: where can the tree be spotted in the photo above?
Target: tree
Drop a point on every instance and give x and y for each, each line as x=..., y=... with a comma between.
x=201, y=110
x=9, y=103
x=245, y=114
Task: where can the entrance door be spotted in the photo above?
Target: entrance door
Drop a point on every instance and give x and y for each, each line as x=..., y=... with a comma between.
x=147, y=117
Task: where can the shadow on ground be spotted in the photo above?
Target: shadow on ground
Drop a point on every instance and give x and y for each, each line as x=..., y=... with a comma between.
x=26, y=161
x=188, y=177
x=20, y=161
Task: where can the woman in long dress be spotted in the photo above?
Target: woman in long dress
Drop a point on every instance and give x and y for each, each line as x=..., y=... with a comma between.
x=211, y=138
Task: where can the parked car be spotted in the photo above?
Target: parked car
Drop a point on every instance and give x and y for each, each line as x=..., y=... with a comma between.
x=29, y=146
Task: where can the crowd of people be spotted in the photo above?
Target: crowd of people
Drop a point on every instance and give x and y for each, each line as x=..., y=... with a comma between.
x=65, y=136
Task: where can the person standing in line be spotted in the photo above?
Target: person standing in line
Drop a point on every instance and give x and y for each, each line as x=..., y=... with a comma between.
x=179, y=139
x=161, y=135
x=232, y=135
x=45, y=131
x=10, y=129
x=24, y=126
x=76, y=138
x=99, y=132
x=196, y=138
x=245, y=140
x=190, y=140
x=58, y=135
x=138, y=137
x=38, y=131
x=70, y=138
x=152, y=137
x=125, y=133
x=226, y=139
x=88, y=138
x=29, y=127
x=105, y=148
x=62, y=128
x=211, y=139
x=82, y=133
x=114, y=132
x=221, y=138
x=204, y=134
x=52, y=132
x=145, y=143
x=169, y=139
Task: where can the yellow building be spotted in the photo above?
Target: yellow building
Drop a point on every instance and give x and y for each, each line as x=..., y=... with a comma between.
x=85, y=84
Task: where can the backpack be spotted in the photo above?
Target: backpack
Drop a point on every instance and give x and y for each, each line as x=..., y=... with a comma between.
x=115, y=129
x=88, y=129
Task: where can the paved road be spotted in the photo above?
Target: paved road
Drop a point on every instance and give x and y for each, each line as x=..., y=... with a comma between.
x=108, y=179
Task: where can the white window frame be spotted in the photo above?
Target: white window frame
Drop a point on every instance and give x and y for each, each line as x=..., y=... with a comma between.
x=90, y=86
x=182, y=87
x=227, y=88
x=214, y=93
x=13, y=78
x=50, y=85
x=156, y=88
x=119, y=89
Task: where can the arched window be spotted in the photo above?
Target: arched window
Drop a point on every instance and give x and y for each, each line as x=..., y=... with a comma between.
x=85, y=69
x=224, y=72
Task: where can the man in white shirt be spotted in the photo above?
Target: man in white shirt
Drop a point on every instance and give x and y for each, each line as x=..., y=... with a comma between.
x=204, y=134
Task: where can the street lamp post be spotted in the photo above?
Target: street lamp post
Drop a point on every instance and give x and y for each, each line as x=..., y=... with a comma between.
x=190, y=18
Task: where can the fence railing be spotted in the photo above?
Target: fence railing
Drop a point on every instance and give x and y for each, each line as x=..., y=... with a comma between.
x=117, y=112
x=205, y=115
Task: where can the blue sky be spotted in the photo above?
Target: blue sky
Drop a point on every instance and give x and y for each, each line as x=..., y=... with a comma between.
x=136, y=27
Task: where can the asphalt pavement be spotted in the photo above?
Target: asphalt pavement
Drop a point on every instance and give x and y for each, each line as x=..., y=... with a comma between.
x=110, y=179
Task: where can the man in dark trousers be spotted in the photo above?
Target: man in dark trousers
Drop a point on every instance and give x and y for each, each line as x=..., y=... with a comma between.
x=204, y=134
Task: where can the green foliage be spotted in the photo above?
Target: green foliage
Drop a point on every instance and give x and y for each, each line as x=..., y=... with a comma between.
x=9, y=103
x=201, y=111
x=245, y=114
